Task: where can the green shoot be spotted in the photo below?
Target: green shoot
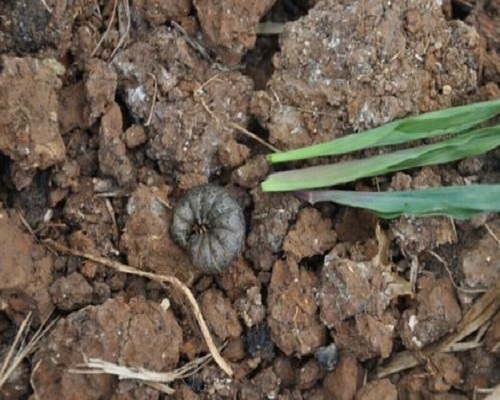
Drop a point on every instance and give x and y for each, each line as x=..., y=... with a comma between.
x=450, y=120
x=456, y=202
x=458, y=147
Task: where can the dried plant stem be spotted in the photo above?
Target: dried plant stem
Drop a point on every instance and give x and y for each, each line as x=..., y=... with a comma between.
x=125, y=34
x=483, y=310
x=47, y=7
x=253, y=136
x=18, y=350
x=153, y=101
x=157, y=380
x=493, y=235
x=198, y=95
x=162, y=279
x=445, y=265
x=108, y=28
x=192, y=42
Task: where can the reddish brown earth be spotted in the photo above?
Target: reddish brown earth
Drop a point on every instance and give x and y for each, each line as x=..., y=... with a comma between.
x=99, y=138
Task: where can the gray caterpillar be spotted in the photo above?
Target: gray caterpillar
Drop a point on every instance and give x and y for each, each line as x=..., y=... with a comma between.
x=208, y=223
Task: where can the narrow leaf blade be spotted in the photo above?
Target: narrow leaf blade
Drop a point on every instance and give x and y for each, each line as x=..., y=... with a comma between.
x=450, y=120
x=457, y=201
x=458, y=147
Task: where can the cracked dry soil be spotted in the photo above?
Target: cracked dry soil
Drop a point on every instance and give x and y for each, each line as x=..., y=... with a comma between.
x=111, y=110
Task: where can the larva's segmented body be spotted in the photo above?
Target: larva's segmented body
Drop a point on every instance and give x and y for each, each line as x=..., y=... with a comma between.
x=209, y=224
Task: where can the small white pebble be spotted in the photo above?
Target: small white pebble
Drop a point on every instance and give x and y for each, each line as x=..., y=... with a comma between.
x=165, y=304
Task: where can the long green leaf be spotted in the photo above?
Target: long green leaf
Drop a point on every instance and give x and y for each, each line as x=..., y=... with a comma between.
x=455, y=148
x=450, y=120
x=457, y=201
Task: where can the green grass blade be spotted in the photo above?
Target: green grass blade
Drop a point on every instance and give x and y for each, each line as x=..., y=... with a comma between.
x=457, y=201
x=450, y=120
x=455, y=148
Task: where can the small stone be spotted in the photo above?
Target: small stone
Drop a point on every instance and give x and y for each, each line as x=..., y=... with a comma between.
x=327, y=356
x=258, y=340
x=134, y=136
x=71, y=292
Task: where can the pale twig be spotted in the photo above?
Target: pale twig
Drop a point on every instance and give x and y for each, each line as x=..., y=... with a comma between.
x=162, y=279
x=47, y=7
x=125, y=34
x=463, y=346
x=198, y=96
x=153, y=101
x=114, y=193
x=97, y=9
x=164, y=202
x=270, y=28
x=480, y=313
x=192, y=42
x=414, y=268
x=253, y=136
x=493, y=235
x=445, y=265
x=111, y=212
x=27, y=226
x=157, y=380
x=108, y=28
x=18, y=350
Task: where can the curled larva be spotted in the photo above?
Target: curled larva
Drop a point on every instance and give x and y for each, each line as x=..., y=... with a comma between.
x=208, y=223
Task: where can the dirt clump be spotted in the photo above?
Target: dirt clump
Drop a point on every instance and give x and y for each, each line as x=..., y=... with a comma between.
x=157, y=12
x=311, y=235
x=26, y=266
x=232, y=154
x=138, y=333
x=230, y=26
x=292, y=311
x=90, y=219
x=252, y=172
x=343, y=382
x=220, y=315
x=436, y=313
x=146, y=239
x=356, y=65
x=112, y=110
x=71, y=292
x=193, y=107
x=29, y=123
x=485, y=18
x=113, y=158
x=134, y=136
x=271, y=219
x=379, y=389
x=44, y=26
x=480, y=264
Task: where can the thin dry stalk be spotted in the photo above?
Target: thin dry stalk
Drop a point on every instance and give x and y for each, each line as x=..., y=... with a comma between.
x=19, y=350
x=153, y=101
x=493, y=235
x=27, y=226
x=111, y=213
x=192, y=42
x=254, y=137
x=198, y=96
x=158, y=380
x=108, y=28
x=162, y=279
x=47, y=7
x=481, y=313
x=127, y=30
x=445, y=265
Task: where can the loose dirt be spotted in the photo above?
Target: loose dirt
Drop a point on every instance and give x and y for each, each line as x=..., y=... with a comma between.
x=111, y=110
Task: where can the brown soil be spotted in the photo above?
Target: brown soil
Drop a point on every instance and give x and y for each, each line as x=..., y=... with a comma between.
x=99, y=138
